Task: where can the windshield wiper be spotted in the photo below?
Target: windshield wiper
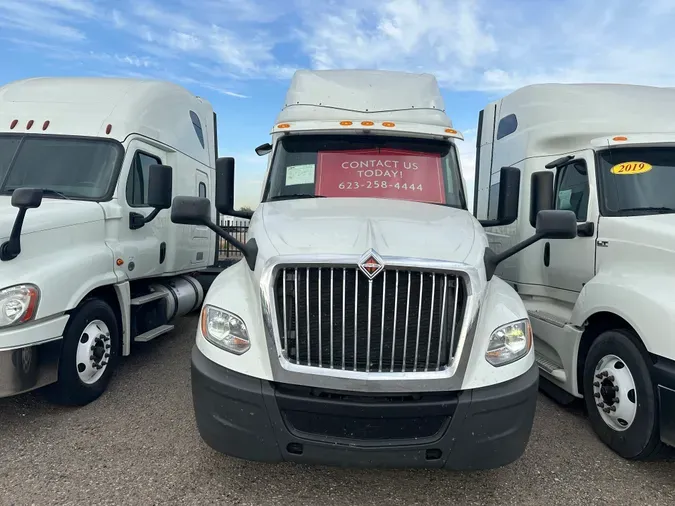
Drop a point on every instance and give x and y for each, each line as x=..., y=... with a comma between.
x=296, y=196
x=658, y=210
x=46, y=192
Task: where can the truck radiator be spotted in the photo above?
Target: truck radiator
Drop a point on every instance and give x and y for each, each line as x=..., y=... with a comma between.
x=401, y=321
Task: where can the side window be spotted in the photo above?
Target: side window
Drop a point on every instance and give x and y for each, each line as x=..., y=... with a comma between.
x=572, y=189
x=197, y=126
x=507, y=125
x=137, y=182
x=202, y=190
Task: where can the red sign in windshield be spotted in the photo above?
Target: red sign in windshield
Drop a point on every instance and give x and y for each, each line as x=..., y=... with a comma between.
x=383, y=173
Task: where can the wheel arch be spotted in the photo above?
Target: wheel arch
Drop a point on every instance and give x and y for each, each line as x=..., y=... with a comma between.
x=111, y=296
x=594, y=326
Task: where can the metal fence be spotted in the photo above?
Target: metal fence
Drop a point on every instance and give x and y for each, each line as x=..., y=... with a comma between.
x=237, y=228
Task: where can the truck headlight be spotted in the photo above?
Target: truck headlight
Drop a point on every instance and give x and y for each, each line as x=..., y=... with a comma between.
x=509, y=343
x=224, y=330
x=18, y=304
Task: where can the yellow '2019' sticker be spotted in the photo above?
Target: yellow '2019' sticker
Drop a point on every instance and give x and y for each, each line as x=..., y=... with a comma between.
x=631, y=168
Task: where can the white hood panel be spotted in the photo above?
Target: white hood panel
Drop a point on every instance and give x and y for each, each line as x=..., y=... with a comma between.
x=351, y=226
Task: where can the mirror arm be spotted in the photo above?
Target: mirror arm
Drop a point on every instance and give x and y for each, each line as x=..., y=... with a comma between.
x=492, y=259
x=241, y=214
x=137, y=220
x=249, y=250
x=11, y=248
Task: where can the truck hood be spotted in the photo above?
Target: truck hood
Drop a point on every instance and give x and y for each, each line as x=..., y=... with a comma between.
x=52, y=213
x=351, y=226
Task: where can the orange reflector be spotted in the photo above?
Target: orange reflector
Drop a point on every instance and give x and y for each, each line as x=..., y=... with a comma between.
x=346, y=123
x=283, y=125
x=13, y=124
x=29, y=124
x=367, y=123
x=388, y=124
x=450, y=131
x=45, y=125
x=119, y=262
x=620, y=138
x=108, y=129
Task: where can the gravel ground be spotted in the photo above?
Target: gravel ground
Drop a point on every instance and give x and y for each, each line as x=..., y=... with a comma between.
x=138, y=444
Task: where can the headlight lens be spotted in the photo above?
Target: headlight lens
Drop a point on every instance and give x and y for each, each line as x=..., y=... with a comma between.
x=509, y=343
x=224, y=330
x=18, y=304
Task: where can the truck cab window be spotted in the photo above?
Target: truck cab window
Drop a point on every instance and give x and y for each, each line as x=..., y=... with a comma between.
x=366, y=166
x=74, y=167
x=572, y=190
x=137, y=183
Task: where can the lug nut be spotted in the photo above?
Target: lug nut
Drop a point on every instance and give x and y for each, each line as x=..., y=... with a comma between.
x=599, y=376
x=606, y=410
x=616, y=389
x=596, y=383
x=611, y=378
x=601, y=404
x=107, y=355
x=605, y=373
x=596, y=395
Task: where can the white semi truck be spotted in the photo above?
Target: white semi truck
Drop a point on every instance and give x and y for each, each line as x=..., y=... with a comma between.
x=600, y=304
x=365, y=325
x=90, y=262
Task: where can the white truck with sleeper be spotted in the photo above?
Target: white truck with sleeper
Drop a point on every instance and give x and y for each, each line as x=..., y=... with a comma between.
x=90, y=262
x=600, y=304
x=365, y=326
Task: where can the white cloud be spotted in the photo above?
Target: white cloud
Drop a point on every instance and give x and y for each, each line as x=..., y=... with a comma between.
x=492, y=45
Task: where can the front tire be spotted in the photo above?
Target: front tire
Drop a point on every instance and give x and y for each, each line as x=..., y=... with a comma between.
x=620, y=397
x=90, y=352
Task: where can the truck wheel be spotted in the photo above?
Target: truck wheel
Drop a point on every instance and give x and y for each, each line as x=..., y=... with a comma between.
x=90, y=352
x=620, y=396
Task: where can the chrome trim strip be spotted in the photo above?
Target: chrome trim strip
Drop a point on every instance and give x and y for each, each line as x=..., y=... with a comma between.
x=448, y=378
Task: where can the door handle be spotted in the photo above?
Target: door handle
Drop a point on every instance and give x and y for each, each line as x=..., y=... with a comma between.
x=586, y=229
x=547, y=254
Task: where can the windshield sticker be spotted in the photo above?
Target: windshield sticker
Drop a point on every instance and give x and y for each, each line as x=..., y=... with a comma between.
x=383, y=173
x=300, y=174
x=565, y=200
x=631, y=168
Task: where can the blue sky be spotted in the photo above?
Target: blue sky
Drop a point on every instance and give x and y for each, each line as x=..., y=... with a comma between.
x=240, y=54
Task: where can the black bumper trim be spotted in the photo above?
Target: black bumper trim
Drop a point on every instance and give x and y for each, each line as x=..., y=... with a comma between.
x=664, y=377
x=240, y=416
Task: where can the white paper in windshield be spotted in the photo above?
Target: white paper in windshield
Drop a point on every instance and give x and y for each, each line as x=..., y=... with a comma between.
x=300, y=174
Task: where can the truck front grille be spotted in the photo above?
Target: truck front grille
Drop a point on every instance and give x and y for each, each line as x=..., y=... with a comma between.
x=403, y=320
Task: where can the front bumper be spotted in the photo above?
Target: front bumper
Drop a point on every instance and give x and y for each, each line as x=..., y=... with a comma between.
x=253, y=419
x=29, y=355
x=664, y=376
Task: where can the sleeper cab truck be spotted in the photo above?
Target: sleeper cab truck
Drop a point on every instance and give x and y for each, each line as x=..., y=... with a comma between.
x=600, y=304
x=90, y=262
x=364, y=326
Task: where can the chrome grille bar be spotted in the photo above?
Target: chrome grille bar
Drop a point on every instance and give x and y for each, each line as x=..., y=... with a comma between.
x=343, y=324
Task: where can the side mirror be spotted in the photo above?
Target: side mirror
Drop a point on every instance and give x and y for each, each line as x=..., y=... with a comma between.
x=160, y=186
x=509, y=195
x=225, y=189
x=191, y=211
x=23, y=199
x=27, y=198
x=263, y=149
x=550, y=225
x=556, y=224
x=197, y=211
x=160, y=190
x=541, y=194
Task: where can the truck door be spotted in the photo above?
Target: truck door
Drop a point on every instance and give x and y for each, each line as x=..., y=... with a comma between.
x=144, y=249
x=201, y=233
x=570, y=264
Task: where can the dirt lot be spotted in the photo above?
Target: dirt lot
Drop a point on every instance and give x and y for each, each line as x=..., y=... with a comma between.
x=138, y=444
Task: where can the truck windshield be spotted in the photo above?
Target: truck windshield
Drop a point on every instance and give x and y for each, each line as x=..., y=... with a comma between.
x=422, y=170
x=637, y=180
x=71, y=167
